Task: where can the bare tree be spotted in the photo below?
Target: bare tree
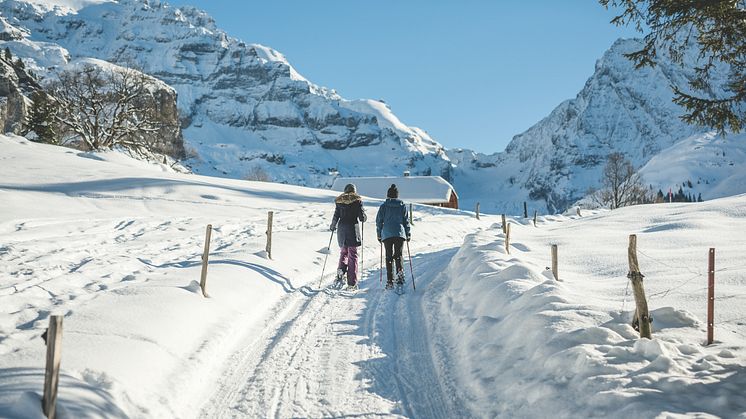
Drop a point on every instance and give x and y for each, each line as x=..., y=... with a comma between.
x=104, y=108
x=622, y=185
x=256, y=173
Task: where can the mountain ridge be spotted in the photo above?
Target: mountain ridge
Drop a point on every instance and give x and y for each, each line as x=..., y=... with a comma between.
x=245, y=108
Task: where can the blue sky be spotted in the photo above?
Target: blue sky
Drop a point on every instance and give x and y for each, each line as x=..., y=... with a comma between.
x=472, y=73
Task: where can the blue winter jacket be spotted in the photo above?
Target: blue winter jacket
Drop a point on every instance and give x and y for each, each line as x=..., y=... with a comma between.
x=392, y=219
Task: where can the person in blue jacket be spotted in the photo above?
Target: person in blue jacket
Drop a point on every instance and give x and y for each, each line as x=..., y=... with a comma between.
x=392, y=228
x=347, y=212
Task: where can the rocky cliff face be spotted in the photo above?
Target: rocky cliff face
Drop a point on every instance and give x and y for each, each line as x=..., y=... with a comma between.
x=161, y=103
x=16, y=85
x=13, y=101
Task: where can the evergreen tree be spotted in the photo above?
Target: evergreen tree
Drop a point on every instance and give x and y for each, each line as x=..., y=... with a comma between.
x=19, y=64
x=40, y=119
x=699, y=198
x=679, y=196
x=8, y=55
x=719, y=29
x=659, y=197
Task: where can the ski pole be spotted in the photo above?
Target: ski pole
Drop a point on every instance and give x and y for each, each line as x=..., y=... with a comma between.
x=362, y=247
x=380, y=271
x=411, y=270
x=328, y=250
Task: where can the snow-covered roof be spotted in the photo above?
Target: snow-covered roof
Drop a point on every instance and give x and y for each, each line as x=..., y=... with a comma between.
x=418, y=189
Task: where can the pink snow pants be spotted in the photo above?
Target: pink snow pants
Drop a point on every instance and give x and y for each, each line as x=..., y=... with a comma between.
x=348, y=263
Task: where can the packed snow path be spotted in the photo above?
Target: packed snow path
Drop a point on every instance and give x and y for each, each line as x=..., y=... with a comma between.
x=338, y=353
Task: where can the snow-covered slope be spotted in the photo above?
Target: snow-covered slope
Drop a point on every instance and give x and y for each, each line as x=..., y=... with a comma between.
x=114, y=245
x=706, y=164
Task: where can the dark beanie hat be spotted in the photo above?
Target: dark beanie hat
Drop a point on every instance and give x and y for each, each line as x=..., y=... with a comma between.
x=392, y=192
x=350, y=188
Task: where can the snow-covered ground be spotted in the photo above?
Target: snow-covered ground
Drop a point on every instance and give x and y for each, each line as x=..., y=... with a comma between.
x=114, y=245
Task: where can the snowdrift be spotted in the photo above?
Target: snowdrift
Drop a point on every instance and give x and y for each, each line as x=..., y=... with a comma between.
x=526, y=345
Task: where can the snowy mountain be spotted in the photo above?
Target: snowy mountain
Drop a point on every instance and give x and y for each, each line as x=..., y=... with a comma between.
x=243, y=105
x=620, y=109
x=245, y=109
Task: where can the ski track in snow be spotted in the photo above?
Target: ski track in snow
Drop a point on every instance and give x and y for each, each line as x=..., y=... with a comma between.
x=323, y=352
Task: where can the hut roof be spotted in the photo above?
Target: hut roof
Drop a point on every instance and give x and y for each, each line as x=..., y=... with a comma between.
x=417, y=189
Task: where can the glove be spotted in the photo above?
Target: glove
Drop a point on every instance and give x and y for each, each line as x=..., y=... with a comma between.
x=332, y=227
x=409, y=238
x=379, y=240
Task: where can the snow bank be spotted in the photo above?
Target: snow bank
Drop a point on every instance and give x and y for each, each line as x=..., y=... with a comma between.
x=525, y=344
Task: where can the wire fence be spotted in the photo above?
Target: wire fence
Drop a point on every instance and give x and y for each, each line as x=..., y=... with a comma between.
x=684, y=287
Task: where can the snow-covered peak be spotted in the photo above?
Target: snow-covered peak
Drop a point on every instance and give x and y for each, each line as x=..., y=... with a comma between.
x=273, y=56
x=64, y=6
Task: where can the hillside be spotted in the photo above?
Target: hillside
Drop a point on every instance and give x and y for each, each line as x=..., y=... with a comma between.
x=114, y=246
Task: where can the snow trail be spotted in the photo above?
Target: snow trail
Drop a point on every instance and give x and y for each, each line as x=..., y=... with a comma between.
x=336, y=353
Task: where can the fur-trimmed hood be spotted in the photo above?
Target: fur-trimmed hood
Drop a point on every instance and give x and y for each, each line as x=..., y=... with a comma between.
x=348, y=198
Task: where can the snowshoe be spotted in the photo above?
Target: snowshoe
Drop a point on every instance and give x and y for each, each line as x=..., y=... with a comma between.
x=389, y=285
x=339, y=281
x=399, y=289
x=351, y=288
x=399, y=283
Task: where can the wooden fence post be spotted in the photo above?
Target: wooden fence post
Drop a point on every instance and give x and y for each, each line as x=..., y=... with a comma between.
x=504, y=228
x=525, y=210
x=52, y=371
x=205, y=257
x=507, y=239
x=642, y=316
x=711, y=296
x=477, y=210
x=535, y=218
x=411, y=217
x=554, y=262
x=270, y=216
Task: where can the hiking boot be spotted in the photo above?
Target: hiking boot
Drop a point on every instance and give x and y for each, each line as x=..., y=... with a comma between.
x=352, y=287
